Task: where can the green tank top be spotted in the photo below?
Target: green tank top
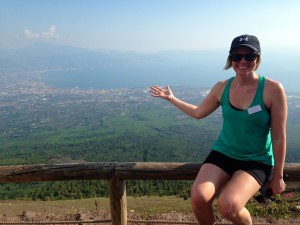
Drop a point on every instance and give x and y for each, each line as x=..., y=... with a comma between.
x=245, y=134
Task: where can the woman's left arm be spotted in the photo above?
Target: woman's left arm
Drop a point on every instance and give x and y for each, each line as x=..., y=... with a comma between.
x=279, y=111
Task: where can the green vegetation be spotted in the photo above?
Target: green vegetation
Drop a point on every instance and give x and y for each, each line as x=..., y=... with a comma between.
x=43, y=125
x=96, y=132
x=282, y=207
x=91, y=189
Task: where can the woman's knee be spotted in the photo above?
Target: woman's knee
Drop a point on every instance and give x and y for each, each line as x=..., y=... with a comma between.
x=229, y=208
x=201, y=197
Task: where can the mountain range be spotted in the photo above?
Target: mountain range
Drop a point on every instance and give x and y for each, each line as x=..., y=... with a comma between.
x=185, y=68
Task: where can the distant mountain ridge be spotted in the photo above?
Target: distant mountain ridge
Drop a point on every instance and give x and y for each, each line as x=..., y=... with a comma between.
x=49, y=55
x=187, y=68
x=138, y=69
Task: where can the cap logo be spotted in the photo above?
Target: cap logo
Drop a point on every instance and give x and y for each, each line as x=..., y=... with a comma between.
x=244, y=39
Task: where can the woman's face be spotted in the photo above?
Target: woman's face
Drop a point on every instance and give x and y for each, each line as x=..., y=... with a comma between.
x=245, y=64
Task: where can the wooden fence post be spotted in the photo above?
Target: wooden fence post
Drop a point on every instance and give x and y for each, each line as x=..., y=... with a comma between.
x=118, y=201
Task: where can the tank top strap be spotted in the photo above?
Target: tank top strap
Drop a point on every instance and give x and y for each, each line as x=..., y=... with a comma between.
x=260, y=90
x=225, y=95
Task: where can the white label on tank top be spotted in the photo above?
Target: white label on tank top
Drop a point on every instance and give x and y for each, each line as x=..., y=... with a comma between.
x=254, y=109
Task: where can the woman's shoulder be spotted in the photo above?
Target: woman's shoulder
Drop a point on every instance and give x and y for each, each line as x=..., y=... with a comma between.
x=219, y=87
x=222, y=83
x=274, y=91
x=273, y=85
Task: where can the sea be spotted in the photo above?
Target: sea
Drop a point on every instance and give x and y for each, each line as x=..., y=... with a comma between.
x=98, y=78
x=132, y=77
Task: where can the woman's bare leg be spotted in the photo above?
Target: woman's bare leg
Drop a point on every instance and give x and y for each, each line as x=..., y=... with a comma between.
x=235, y=196
x=208, y=182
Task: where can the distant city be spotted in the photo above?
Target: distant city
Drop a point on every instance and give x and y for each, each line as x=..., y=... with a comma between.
x=22, y=87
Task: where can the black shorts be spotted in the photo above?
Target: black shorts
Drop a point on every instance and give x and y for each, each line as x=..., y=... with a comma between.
x=260, y=171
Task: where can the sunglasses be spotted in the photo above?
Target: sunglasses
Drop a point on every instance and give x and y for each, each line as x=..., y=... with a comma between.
x=248, y=57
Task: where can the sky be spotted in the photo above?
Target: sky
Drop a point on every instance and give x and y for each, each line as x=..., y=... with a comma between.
x=149, y=25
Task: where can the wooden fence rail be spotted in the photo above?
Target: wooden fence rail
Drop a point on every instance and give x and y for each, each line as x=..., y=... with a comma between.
x=116, y=173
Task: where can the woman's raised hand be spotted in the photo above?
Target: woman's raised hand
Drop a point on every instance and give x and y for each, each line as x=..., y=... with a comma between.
x=162, y=93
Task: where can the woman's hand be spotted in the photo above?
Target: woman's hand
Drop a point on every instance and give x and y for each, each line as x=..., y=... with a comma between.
x=162, y=93
x=277, y=185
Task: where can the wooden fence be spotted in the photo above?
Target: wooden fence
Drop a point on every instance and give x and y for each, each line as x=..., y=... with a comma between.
x=116, y=173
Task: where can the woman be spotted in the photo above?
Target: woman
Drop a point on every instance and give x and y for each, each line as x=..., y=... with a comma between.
x=252, y=142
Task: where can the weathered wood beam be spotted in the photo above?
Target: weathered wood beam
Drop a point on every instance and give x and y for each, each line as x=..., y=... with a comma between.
x=156, y=171
x=56, y=172
x=292, y=171
x=122, y=171
x=178, y=171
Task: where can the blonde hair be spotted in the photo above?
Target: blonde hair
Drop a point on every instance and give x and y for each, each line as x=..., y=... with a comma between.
x=229, y=63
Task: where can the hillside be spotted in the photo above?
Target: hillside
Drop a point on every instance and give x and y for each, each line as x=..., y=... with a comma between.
x=44, y=124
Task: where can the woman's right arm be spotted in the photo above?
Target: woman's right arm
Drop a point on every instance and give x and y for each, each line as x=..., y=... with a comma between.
x=209, y=104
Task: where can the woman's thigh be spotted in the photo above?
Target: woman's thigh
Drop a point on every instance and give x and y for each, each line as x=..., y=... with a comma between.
x=241, y=187
x=209, y=182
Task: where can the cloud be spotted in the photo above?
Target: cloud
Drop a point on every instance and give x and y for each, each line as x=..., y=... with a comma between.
x=50, y=34
x=30, y=35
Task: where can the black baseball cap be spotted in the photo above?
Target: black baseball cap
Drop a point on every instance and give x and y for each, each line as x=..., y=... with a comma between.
x=245, y=40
